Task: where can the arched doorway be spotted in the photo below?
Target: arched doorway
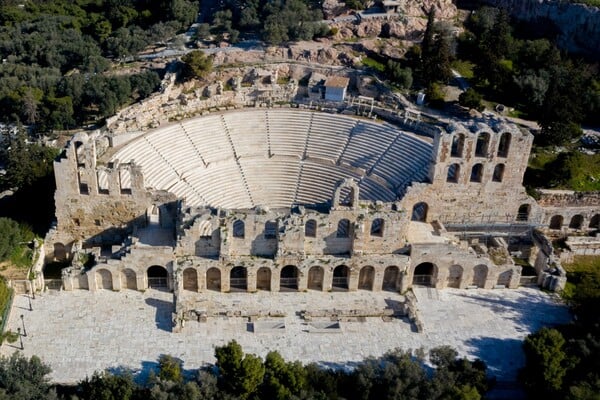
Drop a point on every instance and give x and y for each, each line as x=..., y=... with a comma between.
x=288, y=279
x=340, y=277
x=315, y=278
x=60, y=252
x=190, y=279
x=576, y=222
x=504, y=278
x=157, y=277
x=128, y=279
x=556, y=222
x=595, y=222
x=390, y=279
x=213, y=279
x=419, y=212
x=366, y=278
x=263, y=278
x=454, y=276
x=523, y=213
x=238, y=279
x=104, y=279
x=480, y=275
x=424, y=274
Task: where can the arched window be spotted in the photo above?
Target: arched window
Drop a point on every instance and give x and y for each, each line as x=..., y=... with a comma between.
x=477, y=173
x=483, y=140
x=576, y=222
x=419, y=212
x=523, y=213
x=453, y=173
x=310, y=229
x=498, y=173
x=377, y=227
x=270, y=230
x=595, y=222
x=556, y=222
x=238, y=229
x=458, y=143
x=343, y=229
x=504, y=145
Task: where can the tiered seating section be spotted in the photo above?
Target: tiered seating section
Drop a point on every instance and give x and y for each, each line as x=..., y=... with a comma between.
x=277, y=157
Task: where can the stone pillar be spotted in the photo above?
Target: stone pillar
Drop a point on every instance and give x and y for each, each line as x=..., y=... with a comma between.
x=353, y=275
x=201, y=277
x=515, y=278
x=117, y=281
x=91, y=276
x=302, y=280
x=140, y=281
x=225, y=282
x=378, y=279
x=404, y=281
x=275, y=274
x=251, y=279
x=441, y=278
x=327, y=279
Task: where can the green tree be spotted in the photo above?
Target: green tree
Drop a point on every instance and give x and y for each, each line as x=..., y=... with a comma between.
x=471, y=99
x=546, y=362
x=170, y=369
x=106, y=386
x=24, y=378
x=240, y=375
x=196, y=64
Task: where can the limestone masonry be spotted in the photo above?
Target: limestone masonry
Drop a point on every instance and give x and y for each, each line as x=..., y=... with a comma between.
x=291, y=199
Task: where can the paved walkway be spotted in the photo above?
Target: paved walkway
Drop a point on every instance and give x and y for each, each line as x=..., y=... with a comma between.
x=80, y=332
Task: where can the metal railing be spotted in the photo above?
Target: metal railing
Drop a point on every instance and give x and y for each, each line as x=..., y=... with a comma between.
x=340, y=281
x=240, y=283
x=53, y=284
x=157, y=282
x=288, y=282
x=528, y=280
x=422, y=280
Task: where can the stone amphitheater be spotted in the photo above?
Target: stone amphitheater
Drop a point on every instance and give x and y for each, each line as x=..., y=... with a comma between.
x=292, y=199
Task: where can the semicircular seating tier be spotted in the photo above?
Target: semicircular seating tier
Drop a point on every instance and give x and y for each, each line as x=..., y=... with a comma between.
x=277, y=158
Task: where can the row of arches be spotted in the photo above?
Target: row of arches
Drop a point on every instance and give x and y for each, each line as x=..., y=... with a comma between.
x=482, y=145
x=157, y=277
x=576, y=222
x=310, y=228
x=453, y=175
x=420, y=210
x=426, y=274
x=289, y=279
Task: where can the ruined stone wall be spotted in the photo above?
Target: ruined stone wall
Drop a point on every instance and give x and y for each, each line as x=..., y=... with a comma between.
x=566, y=210
x=96, y=203
x=476, y=176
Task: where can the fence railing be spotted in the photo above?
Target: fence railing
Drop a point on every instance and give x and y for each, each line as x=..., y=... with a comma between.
x=53, y=284
x=422, y=280
x=340, y=281
x=288, y=282
x=528, y=280
x=238, y=282
x=157, y=282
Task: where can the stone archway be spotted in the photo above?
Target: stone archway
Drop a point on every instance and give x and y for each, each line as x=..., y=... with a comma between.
x=315, y=278
x=190, y=279
x=104, y=279
x=424, y=274
x=157, y=277
x=455, y=273
x=263, y=278
x=288, y=279
x=238, y=279
x=576, y=222
x=128, y=279
x=390, y=279
x=340, y=278
x=419, y=212
x=213, y=279
x=556, y=222
x=479, y=275
x=366, y=278
x=504, y=278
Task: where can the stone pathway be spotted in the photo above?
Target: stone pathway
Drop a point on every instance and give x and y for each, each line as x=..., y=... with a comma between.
x=80, y=332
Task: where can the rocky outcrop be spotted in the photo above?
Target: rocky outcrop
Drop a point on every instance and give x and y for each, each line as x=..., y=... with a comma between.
x=579, y=24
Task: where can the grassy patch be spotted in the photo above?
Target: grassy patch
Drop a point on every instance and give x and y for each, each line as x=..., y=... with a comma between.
x=464, y=68
x=374, y=64
x=571, y=170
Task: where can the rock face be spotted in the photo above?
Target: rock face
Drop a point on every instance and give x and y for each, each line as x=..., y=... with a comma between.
x=579, y=24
